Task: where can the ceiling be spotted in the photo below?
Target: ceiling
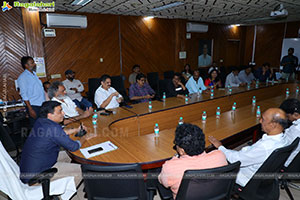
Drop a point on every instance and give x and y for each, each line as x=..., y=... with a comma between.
x=216, y=11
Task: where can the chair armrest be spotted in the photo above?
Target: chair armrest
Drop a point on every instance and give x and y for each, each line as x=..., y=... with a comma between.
x=164, y=192
x=45, y=175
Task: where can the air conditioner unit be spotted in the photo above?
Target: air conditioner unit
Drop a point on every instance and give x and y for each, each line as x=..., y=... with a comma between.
x=66, y=21
x=195, y=27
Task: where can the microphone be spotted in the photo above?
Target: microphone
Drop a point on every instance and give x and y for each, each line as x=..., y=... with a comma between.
x=81, y=132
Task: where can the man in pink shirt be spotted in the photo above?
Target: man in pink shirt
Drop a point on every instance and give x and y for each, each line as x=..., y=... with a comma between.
x=190, y=144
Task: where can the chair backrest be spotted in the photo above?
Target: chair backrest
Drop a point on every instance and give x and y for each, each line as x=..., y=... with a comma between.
x=203, y=73
x=168, y=74
x=163, y=86
x=208, y=184
x=294, y=166
x=118, y=83
x=6, y=140
x=268, y=186
x=93, y=84
x=153, y=80
x=116, y=182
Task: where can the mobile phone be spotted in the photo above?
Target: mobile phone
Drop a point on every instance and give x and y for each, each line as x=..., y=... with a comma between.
x=95, y=150
x=108, y=111
x=104, y=113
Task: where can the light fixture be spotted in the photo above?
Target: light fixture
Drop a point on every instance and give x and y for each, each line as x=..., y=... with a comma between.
x=80, y=2
x=234, y=25
x=148, y=18
x=170, y=5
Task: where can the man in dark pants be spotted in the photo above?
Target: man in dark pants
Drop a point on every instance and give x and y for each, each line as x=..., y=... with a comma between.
x=31, y=88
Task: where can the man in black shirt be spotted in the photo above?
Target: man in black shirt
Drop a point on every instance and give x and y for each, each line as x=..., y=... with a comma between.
x=175, y=88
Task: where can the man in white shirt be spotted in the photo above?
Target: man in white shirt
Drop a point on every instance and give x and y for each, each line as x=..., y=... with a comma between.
x=73, y=88
x=195, y=84
x=106, y=96
x=292, y=110
x=246, y=75
x=273, y=122
x=204, y=60
x=57, y=92
x=232, y=79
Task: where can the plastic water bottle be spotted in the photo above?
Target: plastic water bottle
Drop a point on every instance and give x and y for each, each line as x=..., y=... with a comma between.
x=287, y=79
x=186, y=98
x=150, y=105
x=95, y=117
x=267, y=82
x=297, y=90
x=257, y=84
x=258, y=113
x=248, y=86
x=180, y=122
x=164, y=97
x=287, y=92
x=218, y=113
x=156, y=130
x=253, y=101
x=273, y=81
x=204, y=116
x=212, y=93
x=234, y=106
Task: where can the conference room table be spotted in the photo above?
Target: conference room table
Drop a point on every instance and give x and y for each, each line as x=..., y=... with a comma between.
x=132, y=129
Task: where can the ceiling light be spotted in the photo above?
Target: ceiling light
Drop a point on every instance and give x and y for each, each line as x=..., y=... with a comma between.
x=148, y=18
x=170, y=5
x=234, y=25
x=80, y=2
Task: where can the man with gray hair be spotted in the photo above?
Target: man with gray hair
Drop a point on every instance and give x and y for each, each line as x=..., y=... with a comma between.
x=57, y=92
x=273, y=122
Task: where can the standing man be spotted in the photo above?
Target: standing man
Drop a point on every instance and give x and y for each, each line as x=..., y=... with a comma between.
x=289, y=63
x=31, y=88
x=73, y=88
x=136, y=69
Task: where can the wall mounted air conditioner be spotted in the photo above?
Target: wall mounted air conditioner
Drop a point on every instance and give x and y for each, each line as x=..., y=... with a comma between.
x=66, y=21
x=195, y=27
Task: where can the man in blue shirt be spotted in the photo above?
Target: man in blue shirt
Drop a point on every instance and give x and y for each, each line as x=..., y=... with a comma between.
x=31, y=88
x=289, y=63
x=42, y=146
x=195, y=84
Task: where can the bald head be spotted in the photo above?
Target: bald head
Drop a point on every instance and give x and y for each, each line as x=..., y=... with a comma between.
x=273, y=121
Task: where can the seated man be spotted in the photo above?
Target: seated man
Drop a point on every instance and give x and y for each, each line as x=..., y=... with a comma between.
x=190, y=144
x=246, y=75
x=57, y=92
x=46, y=86
x=141, y=90
x=263, y=73
x=73, y=88
x=292, y=110
x=195, y=84
x=232, y=79
x=106, y=96
x=175, y=88
x=273, y=122
x=42, y=147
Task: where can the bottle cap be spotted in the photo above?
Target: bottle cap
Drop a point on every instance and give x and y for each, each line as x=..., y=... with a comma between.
x=156, y=124
x=204, y=112
x=218, y=107
x=180, y=118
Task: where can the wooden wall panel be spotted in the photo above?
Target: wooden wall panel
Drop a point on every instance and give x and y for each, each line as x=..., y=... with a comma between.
x=292, y=30
x=81, y=49
x=12, y=48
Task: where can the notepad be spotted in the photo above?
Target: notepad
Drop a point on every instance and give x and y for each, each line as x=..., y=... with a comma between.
x=98, y=149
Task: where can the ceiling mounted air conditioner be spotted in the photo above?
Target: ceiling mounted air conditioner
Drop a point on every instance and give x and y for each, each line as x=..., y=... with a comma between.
x=66, y=21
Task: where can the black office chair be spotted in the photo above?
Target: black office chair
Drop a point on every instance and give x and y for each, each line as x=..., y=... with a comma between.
x=114, y=182
x=203, y=73
x=153, y=80
x=208, y=184
x=118, y=83
x=294, y=167
x=168, y=74
x=267, y=189
x=163, y=87
x=93, y=84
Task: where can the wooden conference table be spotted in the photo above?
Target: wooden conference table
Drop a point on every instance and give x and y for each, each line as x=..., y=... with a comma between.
x=131, y=129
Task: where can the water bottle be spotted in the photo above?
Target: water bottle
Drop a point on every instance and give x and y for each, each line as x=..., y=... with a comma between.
x=258, y=113
x=212, y=93
x=150, y=105
x=156, y=130
x=218, y=113
x=234, y=106
x=186, y=98
x=95, y=117
x=180, y=122
x=297, y=90
x=287, y=79
x=267, y=82
x=273, y=81
x=287, y=92
x=248, y=86
x=257, y=84
x=164, y=97
x=253, y=101
x=204, y=116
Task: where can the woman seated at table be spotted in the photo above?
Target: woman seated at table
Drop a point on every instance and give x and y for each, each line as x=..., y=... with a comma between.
x=141, y=90
x=213, y=79
x=187, y=72
x=175, y=88
x=189, y=144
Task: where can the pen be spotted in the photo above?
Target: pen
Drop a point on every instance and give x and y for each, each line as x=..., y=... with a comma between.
x=111, y=145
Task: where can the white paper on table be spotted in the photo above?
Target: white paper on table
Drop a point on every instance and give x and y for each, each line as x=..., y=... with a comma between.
x=106, y=146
